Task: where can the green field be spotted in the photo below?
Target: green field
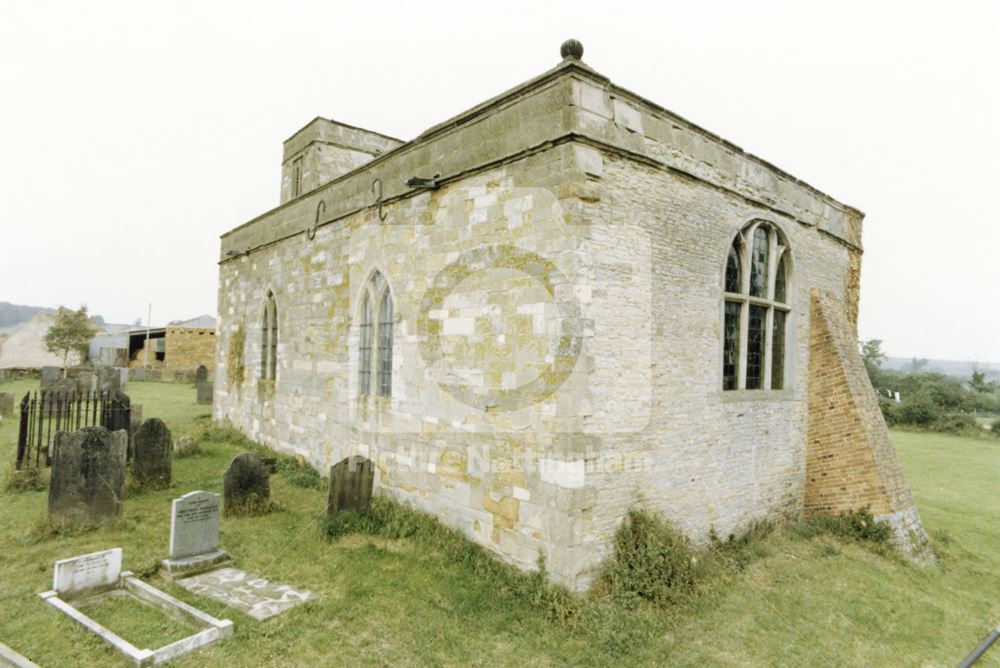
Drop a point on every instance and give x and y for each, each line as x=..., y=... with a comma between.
x=815, y=601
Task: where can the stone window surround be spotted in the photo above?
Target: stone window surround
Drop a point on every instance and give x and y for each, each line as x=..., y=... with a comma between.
x=778, y=247
x=376, y=288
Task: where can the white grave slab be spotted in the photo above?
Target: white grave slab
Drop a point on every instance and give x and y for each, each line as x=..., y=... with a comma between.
x=99, y=574
x=248, y=593
x=194, y=534
x=88, y=573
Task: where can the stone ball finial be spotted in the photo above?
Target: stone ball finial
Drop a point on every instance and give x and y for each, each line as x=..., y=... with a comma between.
x=571, y=48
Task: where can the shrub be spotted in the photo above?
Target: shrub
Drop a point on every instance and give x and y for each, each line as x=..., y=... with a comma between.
x=652, y=561
x=859, y=525
x=995, y=427
x=918, y=410
x=888, y=407
x=956, y=423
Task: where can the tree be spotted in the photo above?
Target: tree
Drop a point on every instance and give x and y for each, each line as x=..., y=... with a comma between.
x=872, y=356
x=72, y=330
x=918, y=364
x=978, y=381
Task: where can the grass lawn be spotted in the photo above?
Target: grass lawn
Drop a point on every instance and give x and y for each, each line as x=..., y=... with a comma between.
x=815, y=601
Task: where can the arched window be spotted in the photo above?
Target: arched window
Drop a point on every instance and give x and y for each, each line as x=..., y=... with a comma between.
x=375, y=337
x=269, y=339
x=756, y=310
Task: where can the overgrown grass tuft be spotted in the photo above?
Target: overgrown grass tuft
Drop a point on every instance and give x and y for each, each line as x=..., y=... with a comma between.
x=859, y=526
x=28, y=479
x=393, y=521
x=295, y=470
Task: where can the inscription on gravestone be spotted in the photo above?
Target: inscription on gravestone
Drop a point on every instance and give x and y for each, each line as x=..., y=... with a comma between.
x=351, y=482
x=88, y=573
x=194, y=525
x=194, y=534
x=201, y=374
x=153, y=449
x=88, y=475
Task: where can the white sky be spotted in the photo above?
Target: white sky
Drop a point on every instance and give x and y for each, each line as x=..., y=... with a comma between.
x=133, y=134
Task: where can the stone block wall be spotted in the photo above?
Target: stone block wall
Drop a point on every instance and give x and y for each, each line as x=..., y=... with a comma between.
x=189, y=347
x=596, y=226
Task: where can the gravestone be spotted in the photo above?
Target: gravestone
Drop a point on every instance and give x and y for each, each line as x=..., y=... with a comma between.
x=246, y=485
x=194, y=534
x=88, y=475
x=109, y=379
x=87, y=574
x=201, y=374
x=135, y=419
x=351, y=482
x=50, y=374
x=205, y=392
x=186, y=446
x=152, y=448
x=6, y=404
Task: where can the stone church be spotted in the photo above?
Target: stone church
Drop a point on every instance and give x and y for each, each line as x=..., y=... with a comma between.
x=555, y=306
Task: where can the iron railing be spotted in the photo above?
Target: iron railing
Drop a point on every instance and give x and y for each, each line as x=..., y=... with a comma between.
x=46, y=413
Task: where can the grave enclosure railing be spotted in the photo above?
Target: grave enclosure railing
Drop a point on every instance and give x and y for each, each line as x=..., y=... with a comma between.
x=45, y=413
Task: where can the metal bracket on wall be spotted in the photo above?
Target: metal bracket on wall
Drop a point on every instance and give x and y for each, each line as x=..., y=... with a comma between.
x=378, y=198
x=320, y=209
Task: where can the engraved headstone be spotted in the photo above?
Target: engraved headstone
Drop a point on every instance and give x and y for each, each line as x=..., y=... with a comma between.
x=6, y=404
x=87, y=573
x=201, y=374
x=246, y=485
x=205, y=392
x=194, y=533
x=88, y=475
x=351, y=482
x=153, y=448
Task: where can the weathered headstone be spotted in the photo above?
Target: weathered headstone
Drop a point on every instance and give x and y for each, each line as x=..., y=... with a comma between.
x=50, y=374
x=152, y=448
x=88, y=573
x=88, y=475
x=136, y=418
x=246, y=485
x=351, y=482
x=109, y=379
x=205, y=392
x=6, y=404
x=186, y=446
x=194, y=534
x=201, y=374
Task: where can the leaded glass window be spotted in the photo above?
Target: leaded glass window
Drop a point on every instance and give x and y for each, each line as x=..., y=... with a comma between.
x=269, y=339
x=758, y=263
x=778, y=351
x=731, y=347
x=365, y=347
x=756, y=339
x=779, y=282
x=755, y=313
x=385, y=346
x=734, y=273
x=375, y=339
